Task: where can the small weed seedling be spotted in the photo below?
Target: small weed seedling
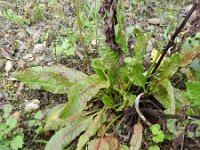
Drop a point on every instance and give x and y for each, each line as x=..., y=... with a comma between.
x=11, y=135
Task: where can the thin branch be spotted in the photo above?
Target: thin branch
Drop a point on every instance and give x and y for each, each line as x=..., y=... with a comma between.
x=171, y=41
x=161, y=115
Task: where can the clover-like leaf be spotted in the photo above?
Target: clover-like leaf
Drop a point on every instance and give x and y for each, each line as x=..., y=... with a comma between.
x=17, y=142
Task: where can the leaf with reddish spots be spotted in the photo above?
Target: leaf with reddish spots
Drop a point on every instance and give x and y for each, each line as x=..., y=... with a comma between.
x=106, y=143
x=188, y=56
x=67, y=134
x=92, y=129
x=80, y=93
x=98, y=144
x=56, y=79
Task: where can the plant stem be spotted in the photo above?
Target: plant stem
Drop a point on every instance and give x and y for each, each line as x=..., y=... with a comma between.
x=108, y=126
x=118, y=125
x=86, y=59
x=153, y=64
x=77, y=3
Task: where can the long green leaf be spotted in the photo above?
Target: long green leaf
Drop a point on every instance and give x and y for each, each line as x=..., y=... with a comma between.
x=135, y=71
x=80, y=93
x=52, y=120
x=193, y=93
x=109, y=58
x=56, y=79
x=170, y=92
x=161, y=86
x=164, y=93
x=98, y=144
x=121, y=37
x=108, y=101
x=171, y=65
x=118, y=79
x=65, y=135
x=92, y=129
x=140, y=44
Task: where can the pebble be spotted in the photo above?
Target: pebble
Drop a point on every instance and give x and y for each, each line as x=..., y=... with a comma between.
x=5, y=54
x=3, y=96
x=28, y=56
x=38, y=60
x=154, y=21
x=33, y=105
x=6, y=35
x=12, y=79
x=2, y=63
x=48, y=59
x=94, y=42
x=79, y=55
x=39, y=48
x=21, y=64
x=41, y=58
x=187, y=8
x=21, y=34
x=8, y=66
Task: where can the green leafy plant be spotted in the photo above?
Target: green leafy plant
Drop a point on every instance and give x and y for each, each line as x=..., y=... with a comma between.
x=36, y=122
x=11, y=136
x=13, y=17
x=154, y=147
x=66, y=48
x=119, y=78
x=158, y=134
x=38, y=12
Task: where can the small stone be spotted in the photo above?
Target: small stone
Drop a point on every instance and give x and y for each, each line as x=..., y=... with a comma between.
x=39, y=48
x=21, y=34
x=187, y=8
x=12, y=79
x=35, y=62
x=6, y=35
x=5, y=54
x=94, y=42
x=47, y=59
x=50, y=63
x=21, y=64
x=27, y=56
x=41, y=58
x=22, y=46
x=154, y=21
x=8, y=66
x=2, y=63
x=31, y=30
x=79, y=55
x=3, y=96
x=33, y=105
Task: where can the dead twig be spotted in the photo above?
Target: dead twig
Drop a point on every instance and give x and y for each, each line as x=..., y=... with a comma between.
x=108, y=10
